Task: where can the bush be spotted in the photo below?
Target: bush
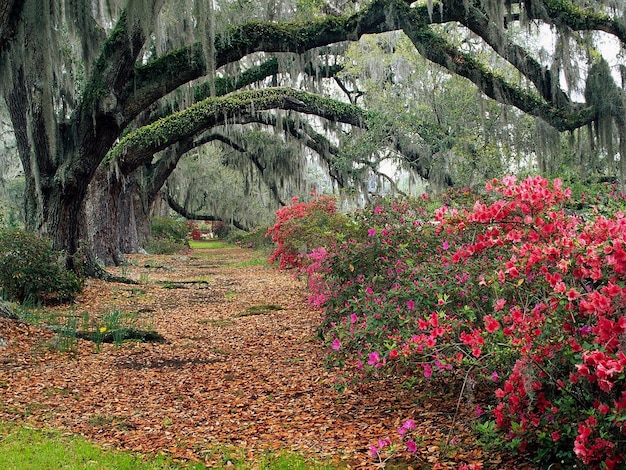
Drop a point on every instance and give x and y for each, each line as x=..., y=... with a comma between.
x=30, y=270
x=168, y=235
x=507, y=288
x=254, y=239
x=303, y=227
x=221, y=229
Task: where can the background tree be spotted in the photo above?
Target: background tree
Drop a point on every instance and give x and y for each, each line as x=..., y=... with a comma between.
x=102, y=69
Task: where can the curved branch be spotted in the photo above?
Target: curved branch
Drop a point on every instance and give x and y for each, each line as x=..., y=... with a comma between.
x=564, y=13
x=388, y=15
x=176, y=207
x=139, y=146
x=99, y=119
x=438, y=50
x=476, y=21
x=170, y=71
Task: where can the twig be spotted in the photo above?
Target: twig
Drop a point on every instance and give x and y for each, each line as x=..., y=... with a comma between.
x=458, y=405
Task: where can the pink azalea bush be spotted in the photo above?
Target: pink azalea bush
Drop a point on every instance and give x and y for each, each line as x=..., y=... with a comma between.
x=508, y=287
x=302, y=227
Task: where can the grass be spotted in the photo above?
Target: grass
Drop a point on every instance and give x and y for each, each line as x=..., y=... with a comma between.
x=209, y=244
x=251, y=262
x=259, y=310
x=24, y=448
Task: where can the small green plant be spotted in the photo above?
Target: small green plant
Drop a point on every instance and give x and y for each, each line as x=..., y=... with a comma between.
x=259, y=310
x=30, y=270
x=251, y=262
x=66, y=339
x=255, y=239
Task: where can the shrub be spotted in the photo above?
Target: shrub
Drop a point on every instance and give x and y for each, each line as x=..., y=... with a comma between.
x=194, y=230
x=254, y=239
x=168, y=235
x=507, y=288
x=30, y=270
x=221, y=229
x=304, y=226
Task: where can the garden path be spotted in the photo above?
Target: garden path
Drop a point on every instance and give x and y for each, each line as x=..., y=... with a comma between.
x=242, y=369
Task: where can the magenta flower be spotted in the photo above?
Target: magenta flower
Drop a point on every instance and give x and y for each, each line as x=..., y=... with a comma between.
x=411, y=446
x=371, y=232
x=374, y=358
x=336, y=345
x=409, y=425
x=373, y=450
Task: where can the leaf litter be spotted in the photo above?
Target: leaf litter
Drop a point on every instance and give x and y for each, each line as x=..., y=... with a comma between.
x=256, y=382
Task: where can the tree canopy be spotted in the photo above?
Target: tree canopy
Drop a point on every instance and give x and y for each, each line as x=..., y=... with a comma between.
x=123, y=87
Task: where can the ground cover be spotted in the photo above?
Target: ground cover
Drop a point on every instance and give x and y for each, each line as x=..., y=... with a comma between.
x=241, y=368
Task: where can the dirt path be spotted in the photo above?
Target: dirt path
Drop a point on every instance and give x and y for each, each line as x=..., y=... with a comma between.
x=227, y=374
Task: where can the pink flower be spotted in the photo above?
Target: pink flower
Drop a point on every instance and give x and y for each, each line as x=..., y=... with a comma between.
x=373, y=450
x=428, y=371
x=374, y=358
x=409, y=425
x=371, y=232
x=353, y=318
x=336, y=345
x=410, y=305
x=411, y=446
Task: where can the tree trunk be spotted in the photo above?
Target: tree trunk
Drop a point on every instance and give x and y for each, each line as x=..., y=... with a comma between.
x=101, y=216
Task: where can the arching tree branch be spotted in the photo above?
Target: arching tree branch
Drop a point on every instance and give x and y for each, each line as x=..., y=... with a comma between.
x=139, y=146
x=179, y=209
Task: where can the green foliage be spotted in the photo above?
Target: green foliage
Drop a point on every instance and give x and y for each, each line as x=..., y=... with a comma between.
x=30, y=270
x=254, y=239
x=168, y=235
x=12, y=202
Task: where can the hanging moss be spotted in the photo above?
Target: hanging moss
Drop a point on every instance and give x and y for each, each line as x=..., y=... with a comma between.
x=214, y=111
x=575, y=17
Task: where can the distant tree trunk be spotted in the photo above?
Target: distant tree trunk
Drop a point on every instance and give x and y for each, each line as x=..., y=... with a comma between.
x=133, y=217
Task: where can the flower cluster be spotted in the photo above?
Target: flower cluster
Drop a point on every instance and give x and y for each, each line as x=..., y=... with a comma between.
x=509, y=287
x=299, y=228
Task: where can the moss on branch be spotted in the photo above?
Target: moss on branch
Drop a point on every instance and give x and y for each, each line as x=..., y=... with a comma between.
x=145, y=141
